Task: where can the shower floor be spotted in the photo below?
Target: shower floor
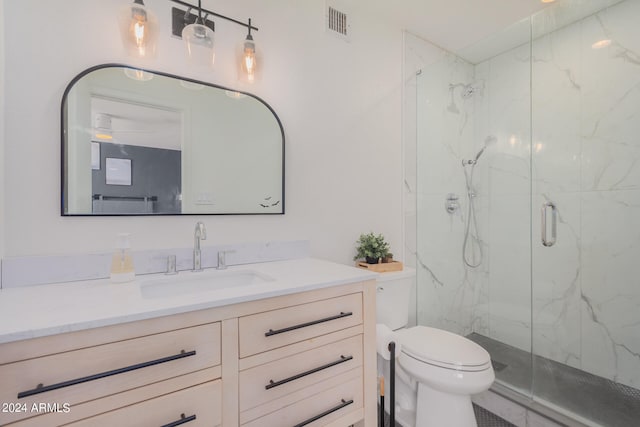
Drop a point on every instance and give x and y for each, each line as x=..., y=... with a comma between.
x=591, y=397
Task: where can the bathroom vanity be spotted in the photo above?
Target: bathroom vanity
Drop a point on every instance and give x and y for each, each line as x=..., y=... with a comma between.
x=287, y=343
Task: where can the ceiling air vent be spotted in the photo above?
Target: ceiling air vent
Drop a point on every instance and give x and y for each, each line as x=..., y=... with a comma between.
x=337, y=22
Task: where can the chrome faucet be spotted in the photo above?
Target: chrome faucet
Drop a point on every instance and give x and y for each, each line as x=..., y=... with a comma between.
x=199, y=234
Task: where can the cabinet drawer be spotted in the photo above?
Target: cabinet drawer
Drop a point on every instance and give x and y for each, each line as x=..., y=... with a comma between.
x=272, y=329
x=89, y=373
x=317, y=410
x=273, y=380
x=200, y=405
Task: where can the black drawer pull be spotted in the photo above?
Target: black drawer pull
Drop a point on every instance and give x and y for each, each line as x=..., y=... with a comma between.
x=183, y=420
x=304, y=325
x=273, y=384
x=325, y=413
x=42, y=389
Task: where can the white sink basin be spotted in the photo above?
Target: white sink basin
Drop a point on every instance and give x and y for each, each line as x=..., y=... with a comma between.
x=188, y=282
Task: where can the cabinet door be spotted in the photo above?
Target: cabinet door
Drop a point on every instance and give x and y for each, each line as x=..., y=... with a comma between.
x=196, y=406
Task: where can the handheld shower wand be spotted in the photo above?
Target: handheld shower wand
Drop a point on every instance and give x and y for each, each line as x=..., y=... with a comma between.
x=489, y=140
x=471, y=212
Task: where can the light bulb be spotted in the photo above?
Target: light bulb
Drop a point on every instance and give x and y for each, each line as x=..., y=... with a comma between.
x=198, y=41
x=138, y=26
x=249, y=58
x=138, y=31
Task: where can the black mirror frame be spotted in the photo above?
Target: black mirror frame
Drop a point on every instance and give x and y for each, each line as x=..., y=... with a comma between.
x=63, y=151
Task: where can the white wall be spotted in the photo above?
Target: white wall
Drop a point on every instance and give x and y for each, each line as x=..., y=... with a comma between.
x=2, y=130
x=339, y=104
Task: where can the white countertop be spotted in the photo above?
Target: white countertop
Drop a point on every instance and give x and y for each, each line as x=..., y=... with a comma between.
x=36, y=311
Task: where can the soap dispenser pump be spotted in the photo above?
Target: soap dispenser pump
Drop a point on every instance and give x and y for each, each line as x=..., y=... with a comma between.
x=122, y=261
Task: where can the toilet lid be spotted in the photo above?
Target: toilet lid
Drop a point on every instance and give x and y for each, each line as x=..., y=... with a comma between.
x=442, y=348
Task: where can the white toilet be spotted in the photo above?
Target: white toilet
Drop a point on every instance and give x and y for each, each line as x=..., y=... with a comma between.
x=436, y=371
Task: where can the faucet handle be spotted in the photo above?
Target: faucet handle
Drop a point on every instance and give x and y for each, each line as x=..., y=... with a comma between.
x=171, y=265
x=222, y=258
x=201, y=231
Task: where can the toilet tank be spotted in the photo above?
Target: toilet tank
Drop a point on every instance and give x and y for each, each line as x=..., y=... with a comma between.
x=392, y=297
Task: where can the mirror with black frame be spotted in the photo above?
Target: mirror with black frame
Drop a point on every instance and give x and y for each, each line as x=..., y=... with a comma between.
x=138, y=142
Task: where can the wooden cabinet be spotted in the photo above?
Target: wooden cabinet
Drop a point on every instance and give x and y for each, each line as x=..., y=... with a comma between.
x=300, y=359
x=292, y=357
x=197, y=406
x=52, y=384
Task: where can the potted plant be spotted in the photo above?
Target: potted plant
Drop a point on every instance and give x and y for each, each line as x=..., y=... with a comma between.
x=371, y=248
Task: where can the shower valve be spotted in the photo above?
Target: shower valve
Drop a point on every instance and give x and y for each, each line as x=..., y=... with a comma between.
x=451, y=204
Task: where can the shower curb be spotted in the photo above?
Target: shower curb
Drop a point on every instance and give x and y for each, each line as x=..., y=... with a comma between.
x=538, y=408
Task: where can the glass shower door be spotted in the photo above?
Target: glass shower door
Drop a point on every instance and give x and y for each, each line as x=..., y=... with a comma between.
x=473, y=203
x=585, y=238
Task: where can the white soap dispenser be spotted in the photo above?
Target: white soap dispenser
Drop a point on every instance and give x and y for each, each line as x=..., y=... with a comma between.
x=122, y=261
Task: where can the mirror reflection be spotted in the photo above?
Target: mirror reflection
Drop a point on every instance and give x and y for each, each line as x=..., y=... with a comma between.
x=146, y=143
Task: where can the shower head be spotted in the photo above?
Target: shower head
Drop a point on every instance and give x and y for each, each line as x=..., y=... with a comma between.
x=467, y=92
x=468, y=89
x=488, y=141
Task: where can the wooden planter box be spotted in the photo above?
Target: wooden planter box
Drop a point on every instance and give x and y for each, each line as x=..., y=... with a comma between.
x=381, y=267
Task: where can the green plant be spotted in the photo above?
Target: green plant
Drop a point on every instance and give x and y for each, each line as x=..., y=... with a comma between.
x=371, y=246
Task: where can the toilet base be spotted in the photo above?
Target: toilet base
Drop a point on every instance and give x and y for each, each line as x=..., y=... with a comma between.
x=418, y=405
x=438, y=409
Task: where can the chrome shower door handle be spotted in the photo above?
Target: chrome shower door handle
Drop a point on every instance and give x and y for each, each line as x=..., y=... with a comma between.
x=554, y=219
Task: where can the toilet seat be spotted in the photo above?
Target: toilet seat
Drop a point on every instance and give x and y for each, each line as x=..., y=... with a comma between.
x=443, y=349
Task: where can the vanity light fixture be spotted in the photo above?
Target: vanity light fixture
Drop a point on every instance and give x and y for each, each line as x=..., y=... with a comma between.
x=138, y=26
x=198, y=34
x=248, y=64
x=102, y=136
x=102, y=130
x=198, y=40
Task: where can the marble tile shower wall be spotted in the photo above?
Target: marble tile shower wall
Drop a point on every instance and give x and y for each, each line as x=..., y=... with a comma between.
x=584, y=153
x=593, y=298
x=449, y=295
x=503, y=110
x=567, y=119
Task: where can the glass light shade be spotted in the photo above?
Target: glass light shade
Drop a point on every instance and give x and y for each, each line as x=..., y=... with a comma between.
x=139, y=29
x=198, y=41
x=139, y=75
x=234, y=95
x=248, y=62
